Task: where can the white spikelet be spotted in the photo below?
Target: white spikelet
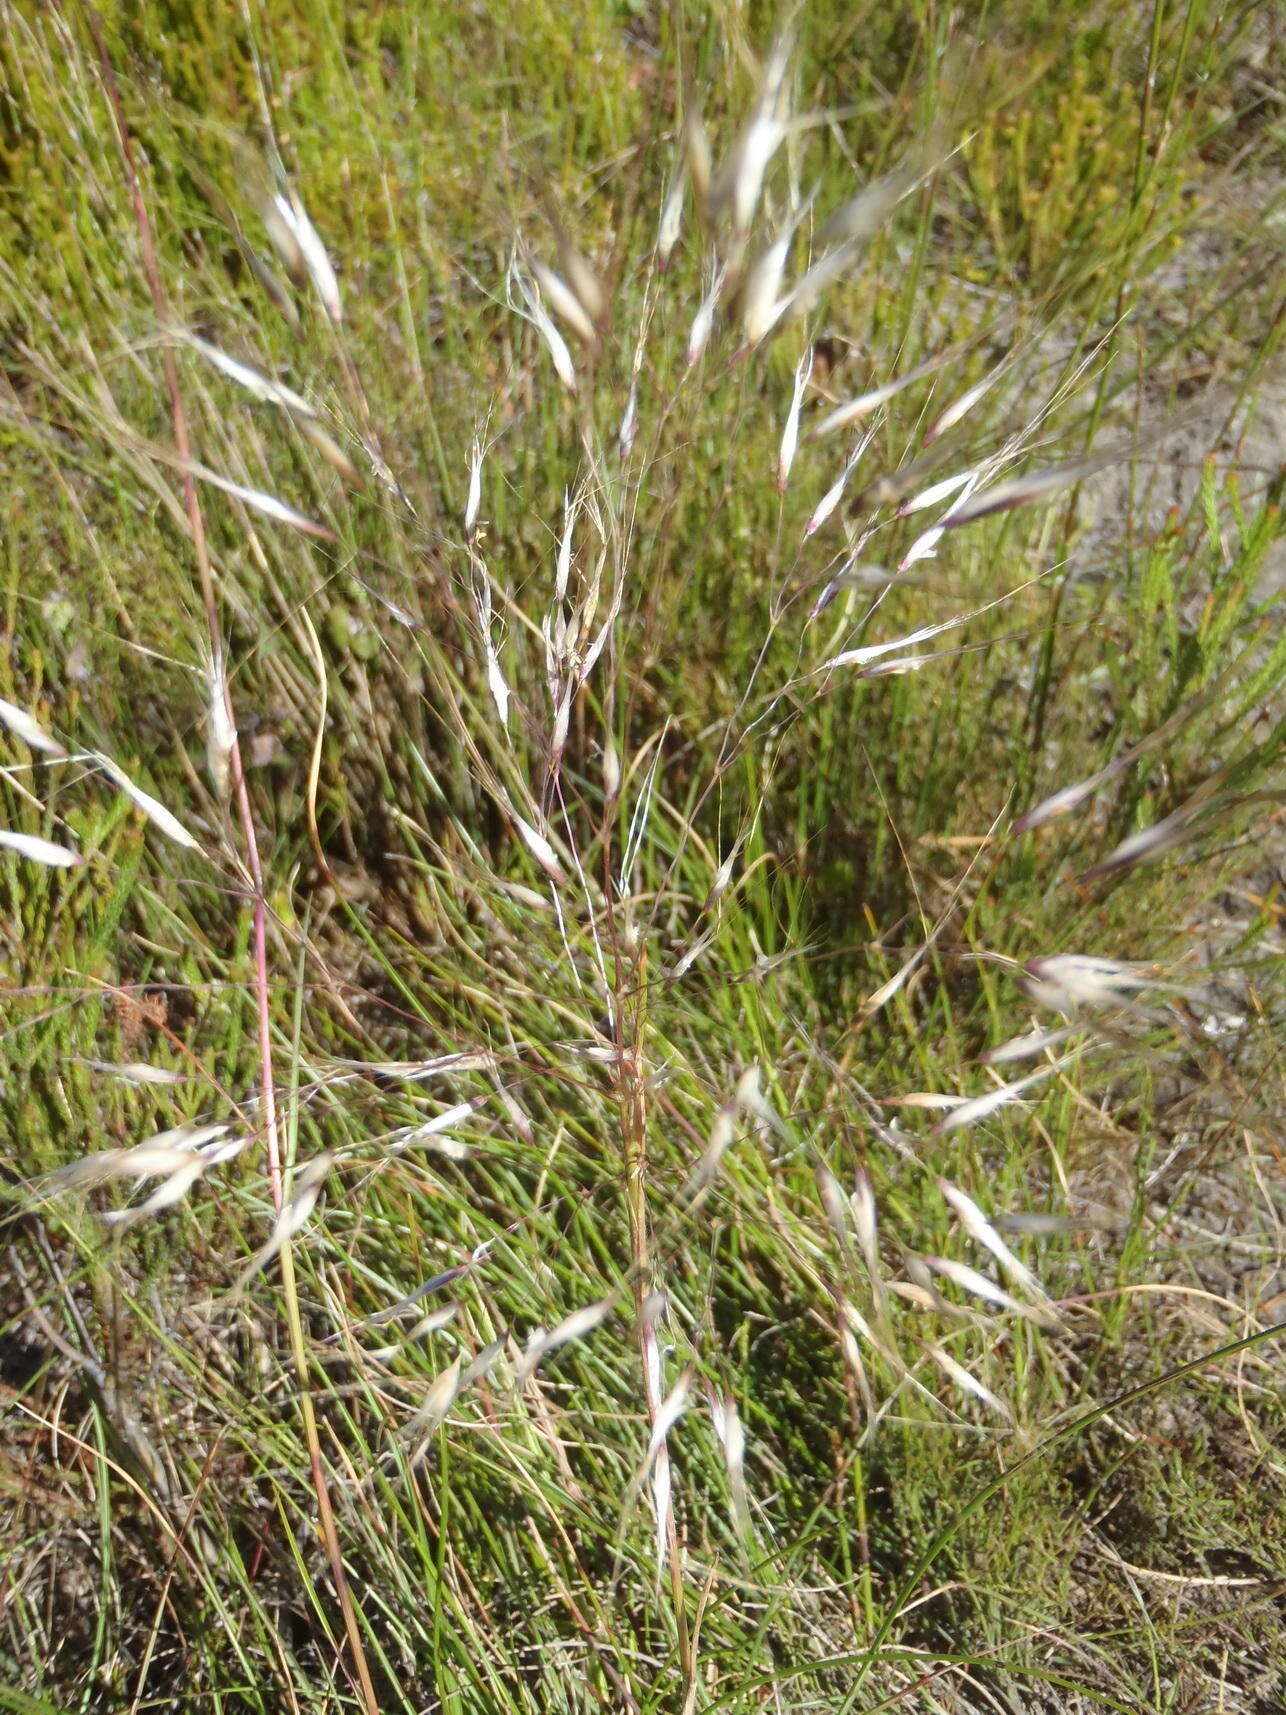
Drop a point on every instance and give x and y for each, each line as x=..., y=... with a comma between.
x=473, y=499
x=629, y=428
x=760, y=306
x=980, y=1107
x=155, y=811
x=220, y=733
x=539, y=317
x=290, y=211
x=670, y=224
x=969, y=1383
x=703, y=321
x=541, y=850
x=257, y=385
x=1070, y=980
x=31, y=846
x=831, y=499
x=790, y=428
x=976, y=1224
x=22, y=726
x=564, y=302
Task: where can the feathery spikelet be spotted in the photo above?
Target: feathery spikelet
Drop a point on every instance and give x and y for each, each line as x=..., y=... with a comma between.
x=981, y=1107
x=295, y=1214
x=541, y=850
x=1025, y=1047
x=32, y=734
x=737, y=185
x=536, y=313
x=1067, y=981
x=302, y=250
x=859, y=219
x=790, y=428
x=703, y=321
x=152, y=808
x=257, y=385
x=473, y=499
x=220, y=733
x=761, y=307
x=979, y=1228
x=732, y=1439
x=852, y=410
x=178, y=1157
x=670, y=224
x=834, y=494
x=582, y=277
x=565, y=303
x=32, y=847
x=698, y=157
x=1021, y=490
x=136, y=1072
x=542, y=1341
x=722, y=1133
x=969, y=1383
x=961, y=407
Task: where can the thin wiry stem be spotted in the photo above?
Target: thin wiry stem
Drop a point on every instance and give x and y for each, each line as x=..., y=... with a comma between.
x=200, y=549
x=196, y=522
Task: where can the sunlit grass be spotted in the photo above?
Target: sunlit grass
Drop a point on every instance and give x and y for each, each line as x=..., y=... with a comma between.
x=618, y=949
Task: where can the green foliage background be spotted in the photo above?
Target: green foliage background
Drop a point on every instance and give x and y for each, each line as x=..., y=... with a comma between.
x=1105, y=222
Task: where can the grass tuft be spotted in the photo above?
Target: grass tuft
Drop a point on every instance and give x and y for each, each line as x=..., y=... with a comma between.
x=640, y=809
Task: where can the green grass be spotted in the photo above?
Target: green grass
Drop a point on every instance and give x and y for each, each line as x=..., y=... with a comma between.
x=759, y=904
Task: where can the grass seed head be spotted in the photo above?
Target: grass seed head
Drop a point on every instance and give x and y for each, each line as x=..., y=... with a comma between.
x=971, y=1281
x=697, y=153
x=32, y=734
x=1025, y=1047
x=981, y=1107
x=832, y=497
x=1067, y=981
x=46, y=852
x=790, y=428
x=731, y=1433
x=1022, y=490
x=271, y=507
x=961, y=407
x=330, y=450
x=257, y=385
x=438, y=1400
x=859, y=219
x=969, y=1383
x=737, y=186
x=670, y=224
x=152, y=808
x=722, y=1134
x=629, y=428
x=581, y=275
x=817, y=279
x=535, y=312
x=862, y=1203
x=545, y=1340
x=703, y=321
x=760, y=304
x=565, y=303
x=220, y=733
x=981, y=1229
x=1148, y=844
x=295, y=1214
x=136, y=1072
x=305, y=248
x=473, y=499
x=541, y=850
x=935, y=492
x=174, y=1187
